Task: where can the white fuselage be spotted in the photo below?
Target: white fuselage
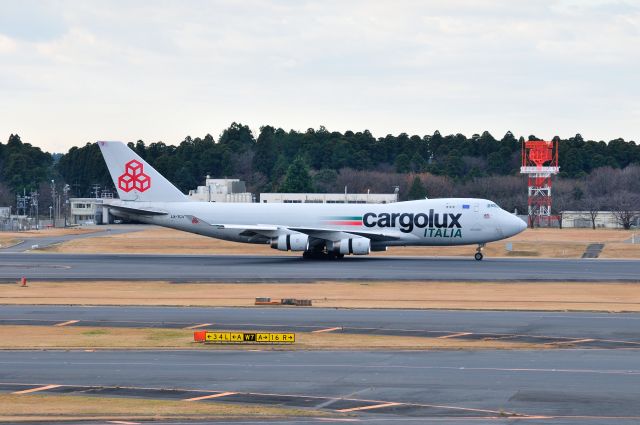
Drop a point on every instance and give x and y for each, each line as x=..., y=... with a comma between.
x=440, y=222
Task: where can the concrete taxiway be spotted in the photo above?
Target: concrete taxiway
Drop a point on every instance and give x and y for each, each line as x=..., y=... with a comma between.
x=593, y=385
x=45, y=240
x=588, y=330
x=247, y=268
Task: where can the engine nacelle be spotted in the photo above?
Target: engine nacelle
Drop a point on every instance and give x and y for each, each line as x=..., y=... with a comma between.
x=357, y=246
x=295, y=242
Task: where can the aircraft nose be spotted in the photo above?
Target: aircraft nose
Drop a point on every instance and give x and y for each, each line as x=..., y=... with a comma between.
x=515, y=225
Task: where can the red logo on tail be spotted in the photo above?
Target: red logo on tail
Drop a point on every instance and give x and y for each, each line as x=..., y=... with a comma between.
x=134, y=178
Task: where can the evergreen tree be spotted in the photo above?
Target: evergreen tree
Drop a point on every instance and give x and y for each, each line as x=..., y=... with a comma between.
x=265, y=151
x=417, y=190
x=403, y=163
x=418, y=164
x=297, y=179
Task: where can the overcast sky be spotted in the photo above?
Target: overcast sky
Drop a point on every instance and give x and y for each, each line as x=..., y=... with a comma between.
x=73, y=72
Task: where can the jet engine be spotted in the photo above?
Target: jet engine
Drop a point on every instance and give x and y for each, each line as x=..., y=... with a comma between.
x=357, y=246
x=295, y=242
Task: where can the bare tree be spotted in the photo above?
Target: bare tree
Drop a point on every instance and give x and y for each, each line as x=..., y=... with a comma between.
x=592, y=205
x=626, y=208
x=360, y=181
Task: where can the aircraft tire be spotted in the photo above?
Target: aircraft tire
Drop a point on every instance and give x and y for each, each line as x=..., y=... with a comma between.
x=478, y=256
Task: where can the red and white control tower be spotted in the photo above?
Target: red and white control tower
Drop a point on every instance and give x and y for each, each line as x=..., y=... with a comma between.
x=539, y=162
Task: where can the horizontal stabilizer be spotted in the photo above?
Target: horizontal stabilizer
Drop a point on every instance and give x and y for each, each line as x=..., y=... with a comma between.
x=137, y=210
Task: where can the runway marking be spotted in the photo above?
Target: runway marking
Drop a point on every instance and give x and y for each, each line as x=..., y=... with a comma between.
x=375, y=406
x=339, y=328
x=70, y=322
x=33, y=390
x=455, y=335
x=123, y=422
x=202, y=325
x=206, y=397
x=376, y=403
x=573, y=341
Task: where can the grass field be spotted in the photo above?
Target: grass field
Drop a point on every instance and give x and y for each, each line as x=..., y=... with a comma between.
x=47, y=408
x=555, y=243
x=574, y=296
x=6, y=241
x=77, y=337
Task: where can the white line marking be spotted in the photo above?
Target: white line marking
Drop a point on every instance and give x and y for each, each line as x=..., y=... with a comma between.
x=455, y=335
x=33, y=390
x=199, y=326
x=206, y=397
x=70, y=322
x=326, y=330
x=123, y=422
x=574, y=341
x=375, y=406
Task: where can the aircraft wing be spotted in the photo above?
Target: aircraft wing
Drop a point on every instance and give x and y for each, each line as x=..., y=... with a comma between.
x=272, y=231
x=335, y=235
x=250, y=229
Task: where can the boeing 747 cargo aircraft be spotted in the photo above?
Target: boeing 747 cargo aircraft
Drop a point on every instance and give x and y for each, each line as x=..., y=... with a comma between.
x=316, y=230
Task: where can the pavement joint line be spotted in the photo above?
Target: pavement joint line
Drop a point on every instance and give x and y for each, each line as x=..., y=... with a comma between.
x=33, y=390
x=206, y=397
x=333, y=400
x=202, y=325
x=369, y=407
x=327, y=330
x=70, y=322
x=123, y=422
x=455, y=335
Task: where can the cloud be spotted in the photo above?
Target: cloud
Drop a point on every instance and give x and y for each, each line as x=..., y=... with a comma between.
x=162, y=70
x=7, y=45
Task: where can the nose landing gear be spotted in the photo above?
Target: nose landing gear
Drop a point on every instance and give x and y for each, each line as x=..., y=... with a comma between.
x=479, y=255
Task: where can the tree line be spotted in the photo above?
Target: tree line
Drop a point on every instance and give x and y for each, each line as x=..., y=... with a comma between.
x=320, y=160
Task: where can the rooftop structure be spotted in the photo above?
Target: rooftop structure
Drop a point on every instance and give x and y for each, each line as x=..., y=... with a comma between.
x=221, y=190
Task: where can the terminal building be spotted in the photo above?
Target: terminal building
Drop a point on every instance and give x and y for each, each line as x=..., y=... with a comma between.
x=222, y=190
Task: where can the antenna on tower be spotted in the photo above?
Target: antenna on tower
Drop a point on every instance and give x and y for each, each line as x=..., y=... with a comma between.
x=539, y=163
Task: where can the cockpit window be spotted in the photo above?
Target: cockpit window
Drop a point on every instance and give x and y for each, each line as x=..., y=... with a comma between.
x=492, y=206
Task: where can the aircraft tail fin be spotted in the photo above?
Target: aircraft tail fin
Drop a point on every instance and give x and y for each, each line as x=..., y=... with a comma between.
x=134, y=178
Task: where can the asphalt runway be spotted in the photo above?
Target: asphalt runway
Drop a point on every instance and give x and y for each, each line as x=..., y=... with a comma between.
x=587, y=330
x=233, y=268
x=555, y=386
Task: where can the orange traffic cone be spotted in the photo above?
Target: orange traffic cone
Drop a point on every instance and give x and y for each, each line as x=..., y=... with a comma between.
x=23, y=282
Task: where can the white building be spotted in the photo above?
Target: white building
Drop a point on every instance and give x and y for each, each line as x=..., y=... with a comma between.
x=85, y=210
x=89, y=210
x=221, y=190
x=329, y=198
x=604, y=220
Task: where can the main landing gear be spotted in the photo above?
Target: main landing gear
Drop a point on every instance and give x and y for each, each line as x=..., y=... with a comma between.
x=321, y=255
x=479, y=255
